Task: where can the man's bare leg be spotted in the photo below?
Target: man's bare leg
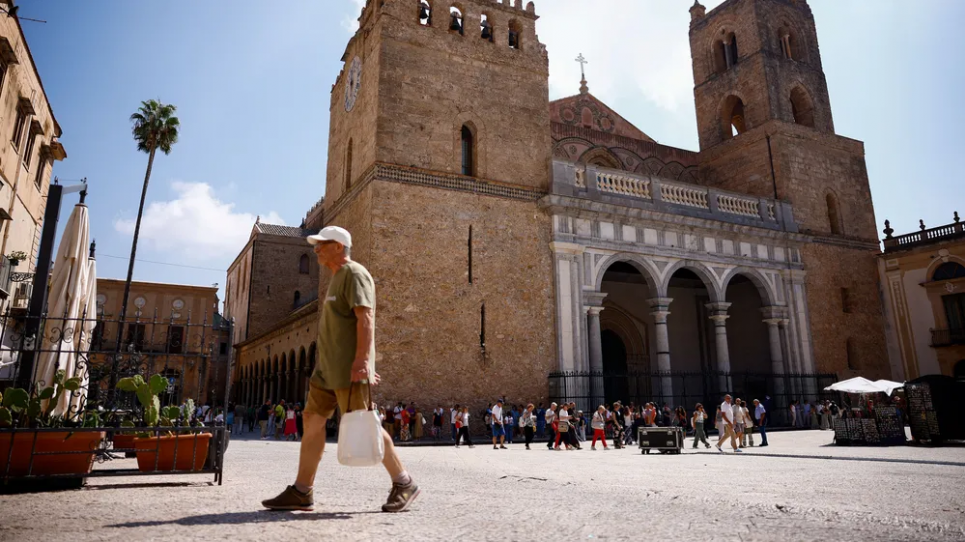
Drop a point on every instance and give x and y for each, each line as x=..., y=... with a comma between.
x=391, y=460
x=313, y=445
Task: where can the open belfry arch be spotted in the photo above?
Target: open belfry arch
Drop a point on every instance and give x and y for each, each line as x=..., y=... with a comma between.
x=512, y=237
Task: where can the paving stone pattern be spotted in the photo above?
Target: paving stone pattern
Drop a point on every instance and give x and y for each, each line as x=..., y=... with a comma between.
x=799, y=488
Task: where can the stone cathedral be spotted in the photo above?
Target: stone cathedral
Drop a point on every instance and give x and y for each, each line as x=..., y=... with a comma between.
x=512, y=237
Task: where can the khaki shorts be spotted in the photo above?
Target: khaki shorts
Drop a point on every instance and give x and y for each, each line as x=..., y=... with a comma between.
x=323, y=402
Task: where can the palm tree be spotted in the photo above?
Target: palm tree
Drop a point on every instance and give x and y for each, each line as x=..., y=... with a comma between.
x=155, y=127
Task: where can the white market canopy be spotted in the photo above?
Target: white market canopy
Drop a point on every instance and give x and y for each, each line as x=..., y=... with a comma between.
x=863, y=385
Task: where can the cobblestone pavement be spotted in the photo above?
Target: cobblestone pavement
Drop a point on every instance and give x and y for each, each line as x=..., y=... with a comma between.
x=798, y=488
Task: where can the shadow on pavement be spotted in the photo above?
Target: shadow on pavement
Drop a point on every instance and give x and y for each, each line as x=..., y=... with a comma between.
x=841, y=458
x=234, y=518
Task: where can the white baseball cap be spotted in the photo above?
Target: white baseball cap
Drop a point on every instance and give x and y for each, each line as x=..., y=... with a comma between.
x=332, y=233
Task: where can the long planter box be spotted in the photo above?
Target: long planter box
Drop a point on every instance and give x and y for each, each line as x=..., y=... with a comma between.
x=59, y=464
x=157, y=454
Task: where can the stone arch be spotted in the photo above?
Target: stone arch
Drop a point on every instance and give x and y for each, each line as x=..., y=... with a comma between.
x=938, y=262
x=515, y=35
x=791, y=43
x=652, y=165
x=634, y=336
x=457, y=19
x=602, y=157
x=479, y=141
x=724, y=50
x=671, y=170
x=426, y=12
x=646, y=269
x=705, y=273
x=802, y=106
x=768, y=297
x=733, y=116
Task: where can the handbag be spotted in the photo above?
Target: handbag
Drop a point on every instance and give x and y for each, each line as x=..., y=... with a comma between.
x=360, y=436
x=564, y=426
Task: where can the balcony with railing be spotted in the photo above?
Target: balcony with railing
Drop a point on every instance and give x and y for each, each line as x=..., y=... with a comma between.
x=948, y=232
x=947, y=337
x=664, y=195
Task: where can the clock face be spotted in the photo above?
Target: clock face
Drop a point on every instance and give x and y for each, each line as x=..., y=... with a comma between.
x=140, y=302
x=178, y=304
x=353, y=83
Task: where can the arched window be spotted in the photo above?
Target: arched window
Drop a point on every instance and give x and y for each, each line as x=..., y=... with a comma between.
x=455, y=20
x=425, y=13
x=732, y=117
x=348, y=166
x=801, y=107
x=725, y=53
x=485, y=28
x=834, y=214
x=468, y=151
x=791, y=46
x=303, y=264
x=948, y=271
x=515, y=35
x=298, y=297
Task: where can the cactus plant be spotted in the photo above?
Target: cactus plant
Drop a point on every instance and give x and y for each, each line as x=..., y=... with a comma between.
x=147, y=392
x=29, y=410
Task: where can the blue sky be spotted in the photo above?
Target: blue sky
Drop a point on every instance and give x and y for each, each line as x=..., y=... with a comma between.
x=252, y=80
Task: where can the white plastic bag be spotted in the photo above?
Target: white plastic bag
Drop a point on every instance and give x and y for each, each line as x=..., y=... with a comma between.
x=360, y=439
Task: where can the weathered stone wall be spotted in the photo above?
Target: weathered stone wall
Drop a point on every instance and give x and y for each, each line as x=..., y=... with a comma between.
x=428, y=322
x=275, y=278
x=433, y=81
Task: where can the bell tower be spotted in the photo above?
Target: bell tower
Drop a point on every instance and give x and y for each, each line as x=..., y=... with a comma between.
x=756, y=61
x=766, y=129
x=439, y=153
x=456, y=87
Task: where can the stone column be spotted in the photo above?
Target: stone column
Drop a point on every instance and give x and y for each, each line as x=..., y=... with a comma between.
x=718, y=314
x=595, y=339
x=773, y=317
x=660, y=310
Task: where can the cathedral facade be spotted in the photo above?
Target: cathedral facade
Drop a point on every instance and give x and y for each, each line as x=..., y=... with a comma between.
x=512, y=237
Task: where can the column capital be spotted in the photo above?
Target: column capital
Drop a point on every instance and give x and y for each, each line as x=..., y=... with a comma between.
x=718, y=312
x=660, y=304
x=593, y=299
x=784, y=322
x=773, y=322
x=775, y=312
x=594, y=311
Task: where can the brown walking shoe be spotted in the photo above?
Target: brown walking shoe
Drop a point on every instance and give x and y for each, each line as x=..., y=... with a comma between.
x=401, y=497
x=292, y=499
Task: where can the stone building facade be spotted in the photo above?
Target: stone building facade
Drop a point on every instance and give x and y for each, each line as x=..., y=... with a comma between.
x=28, y=150
x=511, y=237
x=923, y=274
x=174, y=328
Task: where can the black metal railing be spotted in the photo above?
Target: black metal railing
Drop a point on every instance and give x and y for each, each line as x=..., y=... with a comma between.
x=95, y=419
x=686, y=389
x=947, y=337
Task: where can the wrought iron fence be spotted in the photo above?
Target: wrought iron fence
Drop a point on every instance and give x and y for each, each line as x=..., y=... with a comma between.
x=94, y=424
x=776, y=391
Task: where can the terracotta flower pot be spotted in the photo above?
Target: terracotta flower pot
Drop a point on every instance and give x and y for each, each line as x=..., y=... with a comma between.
x=123, y=441
x=60, y=441
x=192, y=450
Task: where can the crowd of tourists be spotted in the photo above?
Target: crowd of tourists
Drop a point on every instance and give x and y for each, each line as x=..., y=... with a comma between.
x=281, y=420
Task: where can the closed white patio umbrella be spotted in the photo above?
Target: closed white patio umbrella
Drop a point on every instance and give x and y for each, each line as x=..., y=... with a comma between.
x=73, y=289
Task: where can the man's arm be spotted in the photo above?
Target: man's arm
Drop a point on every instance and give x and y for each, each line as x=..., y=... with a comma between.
x=365, y=332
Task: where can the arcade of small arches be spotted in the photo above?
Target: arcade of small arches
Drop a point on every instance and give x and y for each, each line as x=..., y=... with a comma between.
x=457, y=22
x=275, y=377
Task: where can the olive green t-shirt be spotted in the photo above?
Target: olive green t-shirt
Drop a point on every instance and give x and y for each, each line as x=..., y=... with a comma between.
x=352, y=286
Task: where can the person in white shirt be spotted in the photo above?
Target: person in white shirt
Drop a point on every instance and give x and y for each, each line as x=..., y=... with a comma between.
x=700, y=416
x=462, y=423
x=550, y=425
x=760, y=415
x=738, y=422
x=727, y=419
x=598, y=424
x=499, y=434
x=453, y=412
x=562, y=426
x=748, y=436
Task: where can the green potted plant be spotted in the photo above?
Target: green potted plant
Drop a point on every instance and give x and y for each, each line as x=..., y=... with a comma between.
x=19, y=447
x=16, y=257
x=164, y=450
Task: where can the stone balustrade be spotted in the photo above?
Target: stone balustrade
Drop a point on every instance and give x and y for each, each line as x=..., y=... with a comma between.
x=653, y=193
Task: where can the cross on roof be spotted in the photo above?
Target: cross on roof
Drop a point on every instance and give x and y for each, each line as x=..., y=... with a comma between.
x=583, y=61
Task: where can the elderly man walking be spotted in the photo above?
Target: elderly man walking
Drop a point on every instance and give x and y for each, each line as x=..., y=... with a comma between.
x=343, y=373
x=727, y=418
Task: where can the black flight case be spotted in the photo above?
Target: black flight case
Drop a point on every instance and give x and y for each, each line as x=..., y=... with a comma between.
x=666, y=440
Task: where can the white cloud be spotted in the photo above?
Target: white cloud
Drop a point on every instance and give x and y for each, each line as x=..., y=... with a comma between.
x=196, y=223
x=351, y=21
x=630, y=44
